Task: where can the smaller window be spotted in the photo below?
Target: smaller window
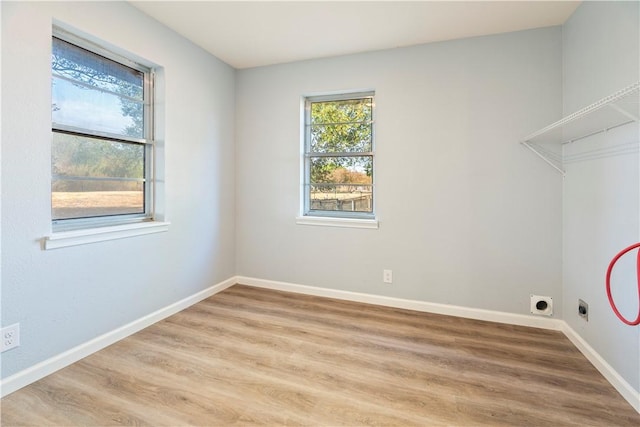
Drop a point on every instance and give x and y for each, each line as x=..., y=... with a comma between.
x=339, y=156
x=102, y=146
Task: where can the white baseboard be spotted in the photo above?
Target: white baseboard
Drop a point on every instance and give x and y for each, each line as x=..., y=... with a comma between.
x=427, y=307
x=624, y=388
x=49, y=366
x=42, y=369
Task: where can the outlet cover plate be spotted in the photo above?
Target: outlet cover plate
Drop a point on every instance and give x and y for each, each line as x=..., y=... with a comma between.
x=541, y=305
x=10, y=337
x=387, y=276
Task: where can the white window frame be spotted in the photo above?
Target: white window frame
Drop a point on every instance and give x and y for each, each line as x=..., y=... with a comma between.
x=62, y=225
x=80, y=231
x=349, y=219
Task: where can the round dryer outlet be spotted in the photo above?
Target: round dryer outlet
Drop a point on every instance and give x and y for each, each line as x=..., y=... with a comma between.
x=541, y=305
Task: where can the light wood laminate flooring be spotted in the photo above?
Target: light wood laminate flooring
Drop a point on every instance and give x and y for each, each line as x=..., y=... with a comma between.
x=249, y=356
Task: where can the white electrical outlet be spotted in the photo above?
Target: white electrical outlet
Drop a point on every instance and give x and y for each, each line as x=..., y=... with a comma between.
x=10, y=337
x=387, y=276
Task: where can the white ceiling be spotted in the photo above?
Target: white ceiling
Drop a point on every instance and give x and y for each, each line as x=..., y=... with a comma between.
x=248, y=34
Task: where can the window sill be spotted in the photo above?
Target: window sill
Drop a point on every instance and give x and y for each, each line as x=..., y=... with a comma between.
x=337, y=222
x=101, y=234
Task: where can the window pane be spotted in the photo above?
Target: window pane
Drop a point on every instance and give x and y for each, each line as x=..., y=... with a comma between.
x=341, y=184
x=94, y=110
x=82, y=156
x=86, y=67
x=88, y=198
x=96, y=93
x=341, y=138
x=341, y=197
x=341, y=126
x=94, y=177
x=347, y=111
x=342, y=170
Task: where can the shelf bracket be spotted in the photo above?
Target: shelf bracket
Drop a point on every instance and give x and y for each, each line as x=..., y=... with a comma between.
x=542, y=156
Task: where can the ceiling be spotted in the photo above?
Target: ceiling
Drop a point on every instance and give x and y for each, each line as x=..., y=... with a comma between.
x=249, y=34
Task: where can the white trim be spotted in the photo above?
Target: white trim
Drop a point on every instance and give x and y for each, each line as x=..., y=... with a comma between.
x=55, y=363
x=337, y=222
x=346, y=92
x=620, y=384
x=92, y=235
x=428, y=307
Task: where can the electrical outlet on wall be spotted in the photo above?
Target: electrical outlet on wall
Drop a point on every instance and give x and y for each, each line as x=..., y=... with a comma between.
x=10, y=337
x=387, y=276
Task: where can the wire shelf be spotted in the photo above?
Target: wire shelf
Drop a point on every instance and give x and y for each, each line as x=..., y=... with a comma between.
x=618, y=109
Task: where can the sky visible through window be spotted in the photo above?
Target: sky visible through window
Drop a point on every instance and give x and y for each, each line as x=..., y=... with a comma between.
x=89, y=109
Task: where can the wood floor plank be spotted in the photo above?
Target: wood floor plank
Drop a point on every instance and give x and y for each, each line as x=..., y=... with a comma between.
x=251, y=356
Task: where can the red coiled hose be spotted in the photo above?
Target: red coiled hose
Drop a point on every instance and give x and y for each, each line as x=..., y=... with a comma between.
x=613, y=304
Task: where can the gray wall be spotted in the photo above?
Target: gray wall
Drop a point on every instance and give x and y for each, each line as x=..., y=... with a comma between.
x=65, y=297
x=601, y=49
x=467, y=216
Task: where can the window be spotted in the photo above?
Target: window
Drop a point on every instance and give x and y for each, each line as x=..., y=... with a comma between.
x=339, y=156
x=102, y=148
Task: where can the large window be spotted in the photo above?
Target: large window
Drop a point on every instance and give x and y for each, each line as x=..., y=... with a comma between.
x=102, y=148
x=339, y=156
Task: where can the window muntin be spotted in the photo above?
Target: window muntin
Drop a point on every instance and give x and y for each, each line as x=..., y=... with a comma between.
x=339, y=157
x=101, y=147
